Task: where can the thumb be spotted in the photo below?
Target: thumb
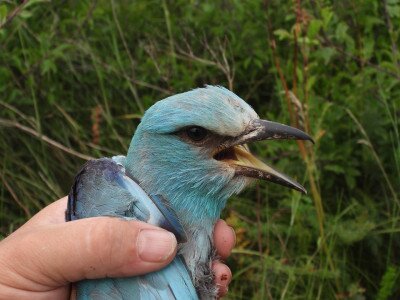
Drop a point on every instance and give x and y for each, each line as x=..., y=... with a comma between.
x=53, y=255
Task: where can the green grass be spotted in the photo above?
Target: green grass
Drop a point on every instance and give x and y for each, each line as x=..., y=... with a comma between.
x=76, y=76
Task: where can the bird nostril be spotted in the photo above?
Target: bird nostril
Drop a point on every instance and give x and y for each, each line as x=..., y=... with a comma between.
x=226, y=154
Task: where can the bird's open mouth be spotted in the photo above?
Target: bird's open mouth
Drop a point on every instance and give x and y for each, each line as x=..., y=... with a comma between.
x=236, y=153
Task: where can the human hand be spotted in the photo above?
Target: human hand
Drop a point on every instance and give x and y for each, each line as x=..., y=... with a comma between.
x=43, y=257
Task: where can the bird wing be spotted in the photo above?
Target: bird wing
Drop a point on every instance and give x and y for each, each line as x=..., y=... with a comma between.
x=103, y=188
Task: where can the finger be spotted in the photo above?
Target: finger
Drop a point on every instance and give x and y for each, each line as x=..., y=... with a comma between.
x=54, y=213
x=86, y=249
x=223, y=277
x=224, y=239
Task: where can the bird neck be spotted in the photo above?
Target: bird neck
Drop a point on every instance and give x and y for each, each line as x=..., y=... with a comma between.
x=197, y=196
x=194, y=207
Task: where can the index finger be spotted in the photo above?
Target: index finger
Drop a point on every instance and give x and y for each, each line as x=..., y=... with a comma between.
x=54, y=213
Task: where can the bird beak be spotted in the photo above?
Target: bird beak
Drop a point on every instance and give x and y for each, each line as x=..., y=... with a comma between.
x=237, y=154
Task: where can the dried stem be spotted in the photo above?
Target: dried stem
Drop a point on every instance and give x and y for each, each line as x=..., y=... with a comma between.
x=15, y=197
x=14, y=13
x=306, y=153
x=10, y=123
x=219, y=61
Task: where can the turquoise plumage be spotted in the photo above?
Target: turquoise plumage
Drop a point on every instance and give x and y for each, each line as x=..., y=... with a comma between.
x=187, y=157
x=90, y=197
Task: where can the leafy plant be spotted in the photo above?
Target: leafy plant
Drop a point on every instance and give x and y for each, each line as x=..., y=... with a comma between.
x=76, y=76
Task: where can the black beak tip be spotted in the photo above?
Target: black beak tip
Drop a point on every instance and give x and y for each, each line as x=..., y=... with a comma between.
x=301, y=135
x=300, y=188
x=310, y=139
x=269, y=130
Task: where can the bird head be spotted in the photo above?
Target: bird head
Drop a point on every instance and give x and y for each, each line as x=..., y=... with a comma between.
x=191, y=148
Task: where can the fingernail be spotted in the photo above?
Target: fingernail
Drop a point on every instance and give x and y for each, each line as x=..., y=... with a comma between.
x=156, y=245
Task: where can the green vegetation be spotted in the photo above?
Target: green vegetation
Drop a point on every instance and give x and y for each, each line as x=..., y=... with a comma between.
x=76, y=76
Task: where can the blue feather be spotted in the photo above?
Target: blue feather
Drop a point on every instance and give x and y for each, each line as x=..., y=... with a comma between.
x=194, y=188
x=172, y=282
x=103, y=188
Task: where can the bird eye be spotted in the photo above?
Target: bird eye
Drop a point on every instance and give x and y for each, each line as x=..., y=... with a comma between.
x=196, y=133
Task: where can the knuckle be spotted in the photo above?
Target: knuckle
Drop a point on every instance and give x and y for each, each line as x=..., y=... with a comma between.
x=101, y=235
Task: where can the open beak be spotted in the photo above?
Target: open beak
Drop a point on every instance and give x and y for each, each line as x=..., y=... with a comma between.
x=236, y=153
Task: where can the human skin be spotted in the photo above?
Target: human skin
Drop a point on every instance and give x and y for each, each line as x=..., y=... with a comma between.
x=43, y=257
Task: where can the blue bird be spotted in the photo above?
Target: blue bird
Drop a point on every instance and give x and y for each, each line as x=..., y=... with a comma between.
x=187, y=157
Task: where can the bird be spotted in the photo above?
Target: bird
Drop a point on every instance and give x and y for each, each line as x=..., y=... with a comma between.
x=188, y=155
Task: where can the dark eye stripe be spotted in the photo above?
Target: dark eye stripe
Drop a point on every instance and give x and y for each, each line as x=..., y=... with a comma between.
x=196, y=133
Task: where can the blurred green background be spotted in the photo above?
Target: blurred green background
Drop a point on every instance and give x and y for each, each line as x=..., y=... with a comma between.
x=76, y=76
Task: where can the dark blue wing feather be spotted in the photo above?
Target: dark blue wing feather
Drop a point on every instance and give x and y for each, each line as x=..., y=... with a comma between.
x=102, y=188
x=170, y=221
